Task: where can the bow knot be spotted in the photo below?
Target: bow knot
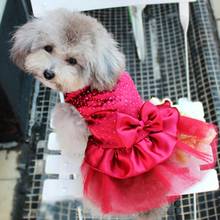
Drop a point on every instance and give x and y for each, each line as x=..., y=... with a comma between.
x=132, y=130
x=142, y=124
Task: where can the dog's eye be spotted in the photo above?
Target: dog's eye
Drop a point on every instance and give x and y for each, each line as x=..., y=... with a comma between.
x=48, y=48
x=72, y=61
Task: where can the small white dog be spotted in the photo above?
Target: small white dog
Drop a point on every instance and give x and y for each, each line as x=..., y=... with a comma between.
x=67, y=51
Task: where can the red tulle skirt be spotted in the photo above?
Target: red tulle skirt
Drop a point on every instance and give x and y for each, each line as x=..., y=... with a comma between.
x=148, y=173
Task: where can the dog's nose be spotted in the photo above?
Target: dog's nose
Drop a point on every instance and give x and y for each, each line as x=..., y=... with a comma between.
x=49, y=74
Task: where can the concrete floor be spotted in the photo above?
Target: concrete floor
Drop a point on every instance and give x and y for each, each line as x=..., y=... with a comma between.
x=8, y=179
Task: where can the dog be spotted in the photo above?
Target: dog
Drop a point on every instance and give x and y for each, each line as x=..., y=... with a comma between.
x=68, y=51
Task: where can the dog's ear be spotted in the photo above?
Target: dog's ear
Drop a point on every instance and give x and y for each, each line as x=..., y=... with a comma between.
x=22, y=41
x=108, y=62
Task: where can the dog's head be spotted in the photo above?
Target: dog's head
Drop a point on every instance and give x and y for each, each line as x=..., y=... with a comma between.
x=67, y=51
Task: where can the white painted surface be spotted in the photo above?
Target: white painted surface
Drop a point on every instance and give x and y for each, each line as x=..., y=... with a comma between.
x=59, y=164
x=52, y=142
x=58, y=190
x=40, y=7
x=61, y=189
x=66, y=188
x=208, y=183
x=138, y=30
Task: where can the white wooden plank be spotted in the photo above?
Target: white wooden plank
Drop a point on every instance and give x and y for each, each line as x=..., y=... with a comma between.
x=40, y=7
x=58, y=164
x=208, y=183
x=52, y=142
x=64, y=189
x=61, y=189
x=66, y=166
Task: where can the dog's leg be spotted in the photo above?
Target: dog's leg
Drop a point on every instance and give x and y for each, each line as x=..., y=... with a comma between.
x=71, y=129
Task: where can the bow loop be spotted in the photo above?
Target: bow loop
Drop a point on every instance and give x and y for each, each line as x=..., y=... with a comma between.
x=150, y=116
x=132, y=130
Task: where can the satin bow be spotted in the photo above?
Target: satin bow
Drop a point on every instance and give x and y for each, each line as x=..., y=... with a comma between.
x=138, y=145
x=132, y=130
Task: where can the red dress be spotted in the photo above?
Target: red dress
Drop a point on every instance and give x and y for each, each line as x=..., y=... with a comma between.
x=139, y=156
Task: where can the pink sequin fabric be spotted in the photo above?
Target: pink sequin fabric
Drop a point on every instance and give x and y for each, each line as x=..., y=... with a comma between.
x=123, y=98
x=139, y=156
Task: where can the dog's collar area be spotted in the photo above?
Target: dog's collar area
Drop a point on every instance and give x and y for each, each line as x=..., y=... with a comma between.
x=70, y=95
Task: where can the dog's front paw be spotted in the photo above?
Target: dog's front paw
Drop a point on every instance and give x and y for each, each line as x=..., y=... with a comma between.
x=70, y=127
x=64, y=114
x=65, y=117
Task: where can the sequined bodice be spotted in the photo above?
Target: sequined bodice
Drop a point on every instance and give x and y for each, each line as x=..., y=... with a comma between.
x=123, y=98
